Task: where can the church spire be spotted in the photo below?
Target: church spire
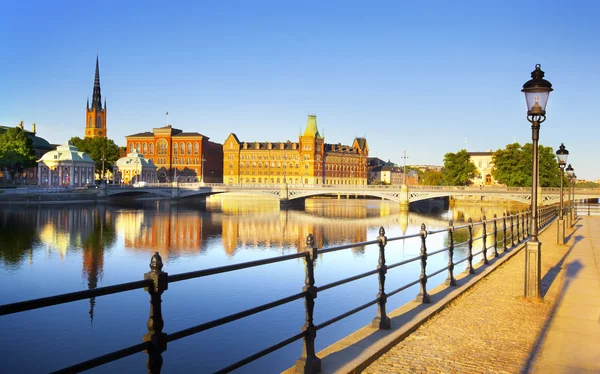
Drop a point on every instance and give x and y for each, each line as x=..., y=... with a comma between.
x=97, y=97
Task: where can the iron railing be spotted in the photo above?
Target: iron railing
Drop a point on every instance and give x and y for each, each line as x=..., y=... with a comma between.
x=498, y=236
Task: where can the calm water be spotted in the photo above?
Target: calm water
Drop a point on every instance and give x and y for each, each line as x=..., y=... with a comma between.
x=47, y=250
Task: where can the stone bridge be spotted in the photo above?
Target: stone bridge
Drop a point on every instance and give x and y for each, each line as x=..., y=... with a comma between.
x=402, y=194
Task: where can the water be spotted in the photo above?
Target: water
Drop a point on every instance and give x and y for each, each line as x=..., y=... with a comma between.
x=47, y=250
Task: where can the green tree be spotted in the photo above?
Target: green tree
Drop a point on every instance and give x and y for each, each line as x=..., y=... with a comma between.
x=98, y=149
x=16, y=151
x=512, y=166
x=432, y=178
x=458, y=169
x=587, y=185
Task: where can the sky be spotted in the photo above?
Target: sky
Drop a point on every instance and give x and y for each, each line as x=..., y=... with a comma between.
x=421, y=77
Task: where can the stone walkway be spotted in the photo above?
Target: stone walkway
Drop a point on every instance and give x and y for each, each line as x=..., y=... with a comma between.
x=491, y=328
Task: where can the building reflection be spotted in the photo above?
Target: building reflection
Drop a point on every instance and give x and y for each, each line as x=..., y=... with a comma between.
x=90, y=230
x=170, y=230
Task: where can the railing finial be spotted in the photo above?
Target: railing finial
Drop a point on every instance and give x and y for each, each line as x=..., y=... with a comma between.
x=156, y=263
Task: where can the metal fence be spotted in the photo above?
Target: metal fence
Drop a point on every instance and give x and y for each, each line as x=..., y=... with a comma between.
x=498, y=236
x=587, y=209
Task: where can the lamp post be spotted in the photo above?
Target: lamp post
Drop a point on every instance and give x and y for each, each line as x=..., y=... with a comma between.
x=561, y=155
x=574, y=179
x=537, y=90
x=570, y=173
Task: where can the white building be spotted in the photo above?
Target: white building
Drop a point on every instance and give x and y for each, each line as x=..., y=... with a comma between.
x=65, y=166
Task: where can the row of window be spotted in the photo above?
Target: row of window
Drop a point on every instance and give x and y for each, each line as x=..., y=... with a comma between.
x=163, y=147
x=297, y=181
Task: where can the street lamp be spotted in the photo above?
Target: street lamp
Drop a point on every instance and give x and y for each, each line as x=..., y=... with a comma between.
x=570, y=172
x=562, y=154
x=537, y=90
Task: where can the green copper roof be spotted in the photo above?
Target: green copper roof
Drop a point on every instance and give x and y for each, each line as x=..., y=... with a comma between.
x=311, y=127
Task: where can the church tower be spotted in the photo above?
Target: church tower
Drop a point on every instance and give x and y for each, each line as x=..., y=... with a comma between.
x=96, y=115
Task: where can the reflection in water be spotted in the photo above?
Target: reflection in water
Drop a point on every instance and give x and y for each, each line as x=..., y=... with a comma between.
x=43, y=246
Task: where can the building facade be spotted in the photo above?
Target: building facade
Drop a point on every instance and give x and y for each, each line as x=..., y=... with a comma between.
x=134, y=168
x=308, y=161
x=65, y=167
x=179, y=156
x=484, y=164
x=95, y=118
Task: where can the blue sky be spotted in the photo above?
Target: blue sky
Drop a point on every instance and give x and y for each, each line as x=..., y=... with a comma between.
x=407, y=75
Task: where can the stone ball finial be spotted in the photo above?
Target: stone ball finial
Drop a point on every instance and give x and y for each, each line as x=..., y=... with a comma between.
x=156, y=263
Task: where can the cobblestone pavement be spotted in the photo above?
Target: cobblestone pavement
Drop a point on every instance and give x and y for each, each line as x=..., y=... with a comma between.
x=491, y=328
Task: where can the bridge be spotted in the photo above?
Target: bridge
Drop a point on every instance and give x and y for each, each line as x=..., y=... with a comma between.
x=401, y=194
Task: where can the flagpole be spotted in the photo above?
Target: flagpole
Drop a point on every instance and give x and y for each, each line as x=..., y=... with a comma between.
x=167, y=118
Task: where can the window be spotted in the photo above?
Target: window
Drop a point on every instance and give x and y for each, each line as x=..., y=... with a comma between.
x=90, y=122
x=130, y=147
x=480, y=163
x=175, y=148
x=151, y=148
x=182, y=148
x=162, y=147
x=189, y=148
x=195, y=148
x=137, y=147
x=99, y=122
x=145, y=148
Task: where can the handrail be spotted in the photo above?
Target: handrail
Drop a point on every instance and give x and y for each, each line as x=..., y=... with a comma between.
x=502, y=233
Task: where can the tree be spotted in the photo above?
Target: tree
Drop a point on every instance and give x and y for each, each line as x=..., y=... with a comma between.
x=432, y=178
x=98, y=149
x=510, y=166
x=513, y=166
x=458, y=169
x=16, y=151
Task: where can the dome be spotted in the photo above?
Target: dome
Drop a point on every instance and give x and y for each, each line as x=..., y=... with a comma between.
x=134, y=159
x=66, y=152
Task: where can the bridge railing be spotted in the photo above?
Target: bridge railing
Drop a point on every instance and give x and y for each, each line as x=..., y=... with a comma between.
x=498, y=236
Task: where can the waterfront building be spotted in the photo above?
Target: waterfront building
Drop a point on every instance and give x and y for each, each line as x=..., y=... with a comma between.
x=381, y=172
x=95, y=119
x=308, y=161
x=484, y=164
x=179, y=156
x=65, y=166
x=40, y=146
x=134, y=168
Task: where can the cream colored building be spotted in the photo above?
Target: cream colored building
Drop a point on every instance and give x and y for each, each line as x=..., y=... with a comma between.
x=134, y=168
x=65, y=166
x=484, y=164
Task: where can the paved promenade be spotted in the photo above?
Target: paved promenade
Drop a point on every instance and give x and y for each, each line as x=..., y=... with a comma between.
x=491, y=328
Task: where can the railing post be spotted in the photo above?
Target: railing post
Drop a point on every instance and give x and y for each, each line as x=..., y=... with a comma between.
x=450, y=281
x=155, y=336
x=469, y=268
x=518, y=228
x=495, y=235
x=381, y=321
x=524, y=234
x=504, y=230
x=309, y=363
x=484, y=224
x=423, y=296
x=512, y=231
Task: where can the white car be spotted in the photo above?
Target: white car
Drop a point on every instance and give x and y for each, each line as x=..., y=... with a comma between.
x=140, y=184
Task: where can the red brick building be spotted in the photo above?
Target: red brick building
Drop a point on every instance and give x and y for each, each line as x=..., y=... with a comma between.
x=178, y=155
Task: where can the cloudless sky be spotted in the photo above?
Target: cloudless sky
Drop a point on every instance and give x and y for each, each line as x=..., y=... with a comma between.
x=420, y=76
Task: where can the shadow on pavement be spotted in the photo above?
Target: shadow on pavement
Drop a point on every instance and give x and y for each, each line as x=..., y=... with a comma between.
x=571, y=272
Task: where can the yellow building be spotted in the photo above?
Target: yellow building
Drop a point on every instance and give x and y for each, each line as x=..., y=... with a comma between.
x=484, y=164
x=309, y=161
x=134, y=168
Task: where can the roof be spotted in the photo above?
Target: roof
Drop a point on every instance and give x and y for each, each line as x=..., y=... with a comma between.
x=134, y=159
x=147, y=133
x=311, y=127
x=67, y=152
x=36, y=141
